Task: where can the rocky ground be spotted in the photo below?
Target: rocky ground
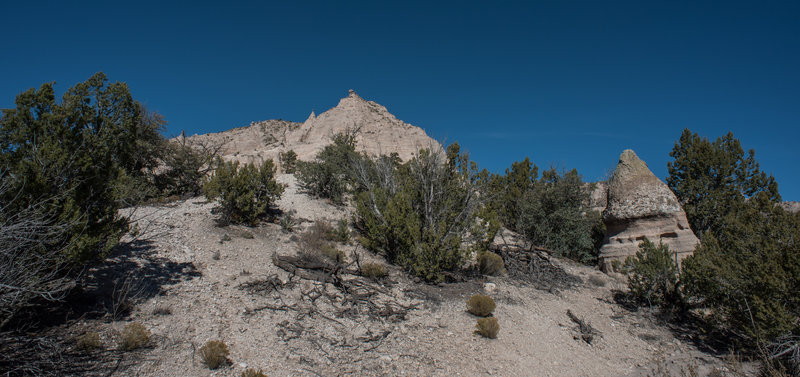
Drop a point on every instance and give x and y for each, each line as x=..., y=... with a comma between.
x=194, y=281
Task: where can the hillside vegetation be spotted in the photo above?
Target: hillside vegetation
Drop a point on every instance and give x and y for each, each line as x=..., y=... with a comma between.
x=72, y=169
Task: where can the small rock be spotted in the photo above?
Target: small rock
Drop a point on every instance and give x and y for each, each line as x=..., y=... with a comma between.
x=490, y=287
x=243, y=365
x=386, y=358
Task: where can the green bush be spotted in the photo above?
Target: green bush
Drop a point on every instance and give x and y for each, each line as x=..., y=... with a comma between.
x=712, y=178
x=373, y=270
x=488, y=327
x=133, y=336
x=421, y=214
x=653, y=275
x=341, y=233
x=746, y=271
x=214, y=354
x=551, y=211
x=288, y=161
x=490, y=263
x=749, y=274
x=480, y=305
x=68, y=166
x=328, y=176
x=187, y=163
x=247, y=193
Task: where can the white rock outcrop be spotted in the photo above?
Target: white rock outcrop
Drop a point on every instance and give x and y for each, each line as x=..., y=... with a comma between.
x=377, y=132
x=642, y=206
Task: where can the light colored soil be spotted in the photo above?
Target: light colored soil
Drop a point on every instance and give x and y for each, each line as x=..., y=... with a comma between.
x=436, y=339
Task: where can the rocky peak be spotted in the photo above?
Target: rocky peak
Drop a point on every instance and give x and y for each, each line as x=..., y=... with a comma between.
x=377, y=132
x=634, y=191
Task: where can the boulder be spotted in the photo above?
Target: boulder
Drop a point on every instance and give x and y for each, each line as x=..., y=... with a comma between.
x=642, y=206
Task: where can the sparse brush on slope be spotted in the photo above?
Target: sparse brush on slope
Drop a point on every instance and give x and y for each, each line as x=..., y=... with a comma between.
x=288, y=161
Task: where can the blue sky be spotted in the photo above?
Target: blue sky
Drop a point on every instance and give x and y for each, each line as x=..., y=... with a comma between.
x=566, y=83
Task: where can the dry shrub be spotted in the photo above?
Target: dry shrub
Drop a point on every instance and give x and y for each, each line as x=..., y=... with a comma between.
x=133, y=336
x=162, y=310
x=253, y=373
x=373, y=270
x=597, y=280
x=315, y=241
x=490, y=263
x=89, y=341
x=314, y=238
x=341, y=233
x=214, y=353
x=488, y=327
x=480, y=305
x=124, y=296
x=334, y=254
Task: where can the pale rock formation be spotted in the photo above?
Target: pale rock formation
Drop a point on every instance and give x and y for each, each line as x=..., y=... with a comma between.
x=377, y=132
x=793, y=207
x=642, y=206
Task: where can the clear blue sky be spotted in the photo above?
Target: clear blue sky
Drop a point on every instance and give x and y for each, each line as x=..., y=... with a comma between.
x=564, y=82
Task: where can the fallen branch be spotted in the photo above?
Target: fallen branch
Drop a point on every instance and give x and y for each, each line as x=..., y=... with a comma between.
x=586, y=331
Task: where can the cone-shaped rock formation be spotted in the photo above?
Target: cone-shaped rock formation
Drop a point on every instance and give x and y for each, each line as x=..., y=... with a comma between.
x=642, y=206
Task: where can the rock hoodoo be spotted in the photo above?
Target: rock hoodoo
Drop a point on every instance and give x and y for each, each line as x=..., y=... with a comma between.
x=376, y=130
x=642, y=206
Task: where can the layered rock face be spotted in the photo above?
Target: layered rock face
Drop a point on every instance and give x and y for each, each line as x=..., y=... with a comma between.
x=377, y=132
x=642, y=206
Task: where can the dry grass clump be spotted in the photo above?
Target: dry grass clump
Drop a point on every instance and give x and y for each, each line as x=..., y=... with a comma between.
x=253, y=373
x=597, y=281
x=339, y=234
x=214, y=353
x=133, y=336
x=334, y=254
x=480, y=305
x=488, y=327
x=490, y=263
x=162, y=310
x=315, y=241
x=88, y=341
x=287, y=221
x=373, y=270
